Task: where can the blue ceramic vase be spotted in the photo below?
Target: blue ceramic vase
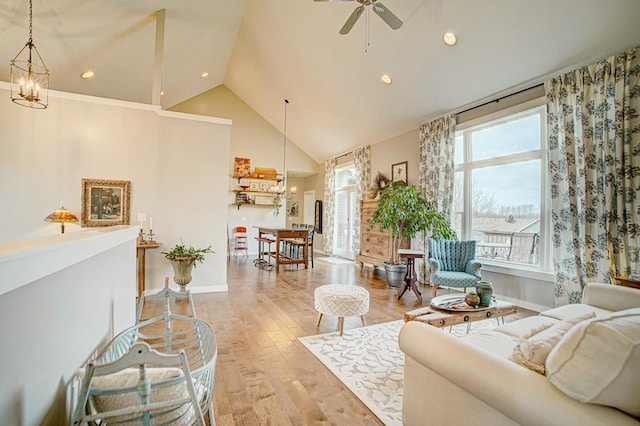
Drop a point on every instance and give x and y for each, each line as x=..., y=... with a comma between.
x=484, y=289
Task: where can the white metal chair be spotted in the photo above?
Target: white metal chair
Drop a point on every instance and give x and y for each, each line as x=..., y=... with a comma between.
x=171, y=334
x=141, y=387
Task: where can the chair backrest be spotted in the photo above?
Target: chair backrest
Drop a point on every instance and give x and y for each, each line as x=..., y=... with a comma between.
x=452, y=254
x=523, y=247
x=143, y=387
x=312, y=230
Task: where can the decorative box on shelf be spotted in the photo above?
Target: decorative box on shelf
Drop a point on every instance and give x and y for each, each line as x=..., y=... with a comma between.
x=242, y=167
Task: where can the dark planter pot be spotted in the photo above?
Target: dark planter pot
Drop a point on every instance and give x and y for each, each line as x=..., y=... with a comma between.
x=395, y=274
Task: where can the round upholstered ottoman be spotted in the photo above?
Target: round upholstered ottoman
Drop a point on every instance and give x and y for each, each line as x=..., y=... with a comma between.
x=341, y=300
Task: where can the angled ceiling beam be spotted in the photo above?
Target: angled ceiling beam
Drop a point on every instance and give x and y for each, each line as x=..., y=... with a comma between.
x=159, y=58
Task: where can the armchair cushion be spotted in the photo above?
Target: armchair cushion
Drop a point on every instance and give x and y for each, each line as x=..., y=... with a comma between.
x=453, y=263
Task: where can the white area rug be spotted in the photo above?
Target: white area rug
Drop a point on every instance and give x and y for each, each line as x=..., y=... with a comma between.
x=370, y=363
x=334, y=260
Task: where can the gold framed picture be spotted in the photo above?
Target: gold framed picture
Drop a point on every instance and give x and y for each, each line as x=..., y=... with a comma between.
x=105, y=202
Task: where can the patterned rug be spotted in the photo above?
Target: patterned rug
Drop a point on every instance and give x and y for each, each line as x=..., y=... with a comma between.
x=370, y=363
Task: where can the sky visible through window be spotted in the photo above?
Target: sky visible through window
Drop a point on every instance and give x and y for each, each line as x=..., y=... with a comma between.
x=511, y=184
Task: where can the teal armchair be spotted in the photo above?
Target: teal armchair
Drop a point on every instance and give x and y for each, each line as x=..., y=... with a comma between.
x=453, y=264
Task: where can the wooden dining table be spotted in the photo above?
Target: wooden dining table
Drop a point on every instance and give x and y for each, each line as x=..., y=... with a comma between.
x=282, y=233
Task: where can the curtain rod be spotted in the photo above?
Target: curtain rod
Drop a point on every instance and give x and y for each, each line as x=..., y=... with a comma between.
x=500, y=98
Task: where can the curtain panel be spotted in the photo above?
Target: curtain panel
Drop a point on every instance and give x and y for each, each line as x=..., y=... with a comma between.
x=362, y=163
x=329, y=204
x=594, y=170
x=436, y=167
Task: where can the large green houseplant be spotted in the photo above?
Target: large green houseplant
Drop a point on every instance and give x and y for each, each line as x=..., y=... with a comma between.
x=183, y=260
x=405, y=212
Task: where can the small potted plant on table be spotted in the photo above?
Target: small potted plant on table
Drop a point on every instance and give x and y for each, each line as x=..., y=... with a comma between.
x=403, y=210
x=183, y=260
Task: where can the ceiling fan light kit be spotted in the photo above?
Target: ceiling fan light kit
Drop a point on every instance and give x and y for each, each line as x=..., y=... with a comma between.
x=380, y=9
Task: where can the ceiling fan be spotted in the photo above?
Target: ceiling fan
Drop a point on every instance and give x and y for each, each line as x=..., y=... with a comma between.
x=381, y=10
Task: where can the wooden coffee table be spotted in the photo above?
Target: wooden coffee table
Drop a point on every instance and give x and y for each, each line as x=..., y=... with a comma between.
x=441, y=318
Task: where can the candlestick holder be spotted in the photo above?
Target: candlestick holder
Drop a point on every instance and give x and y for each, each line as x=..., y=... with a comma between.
x=141, y=239
x=151, y=240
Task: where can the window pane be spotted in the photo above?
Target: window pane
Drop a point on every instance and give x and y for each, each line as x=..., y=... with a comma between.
x=345, y=177
x=457, y=208
x=459, y=153
x=505, y=137
x=505, y=205
x=341, y=221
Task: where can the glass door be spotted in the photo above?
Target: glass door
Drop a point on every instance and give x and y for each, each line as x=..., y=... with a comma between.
x=345, y=209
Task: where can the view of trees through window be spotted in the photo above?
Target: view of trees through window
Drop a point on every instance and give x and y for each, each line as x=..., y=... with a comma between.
x=498, y=183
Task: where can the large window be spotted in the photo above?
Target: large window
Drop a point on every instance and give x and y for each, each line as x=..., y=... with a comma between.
x=499, y=193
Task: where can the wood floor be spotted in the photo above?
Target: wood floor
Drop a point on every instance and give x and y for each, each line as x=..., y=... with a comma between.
x=264, y=376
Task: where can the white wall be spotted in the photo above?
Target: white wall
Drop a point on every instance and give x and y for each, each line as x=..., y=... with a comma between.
x=397, y=150
x=177, y=165
x=254, y=138
x=50, y=326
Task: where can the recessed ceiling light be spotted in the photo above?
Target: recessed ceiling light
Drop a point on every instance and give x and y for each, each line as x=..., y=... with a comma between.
x=162, y=93
x=386, y=78
x=87, y=74
x=204, y=74
x=449, y=38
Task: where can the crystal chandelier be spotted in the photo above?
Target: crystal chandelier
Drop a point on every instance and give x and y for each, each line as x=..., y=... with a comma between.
x=280, y=191
x=29, y=75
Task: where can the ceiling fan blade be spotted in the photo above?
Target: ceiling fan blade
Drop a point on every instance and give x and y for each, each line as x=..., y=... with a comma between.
x=351, y=21
x=387, y=16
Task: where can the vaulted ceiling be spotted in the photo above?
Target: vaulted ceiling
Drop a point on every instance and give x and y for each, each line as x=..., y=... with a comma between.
x=269, y=50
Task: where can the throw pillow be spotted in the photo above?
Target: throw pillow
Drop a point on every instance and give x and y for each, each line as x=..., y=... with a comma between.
x=598, y=361
x=129, y=378
x=532, y=352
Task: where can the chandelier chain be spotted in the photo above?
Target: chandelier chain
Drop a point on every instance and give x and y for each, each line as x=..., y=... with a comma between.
x=30, y=22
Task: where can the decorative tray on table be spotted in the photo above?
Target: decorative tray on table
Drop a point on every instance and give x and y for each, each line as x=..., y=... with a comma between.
x=456, y=303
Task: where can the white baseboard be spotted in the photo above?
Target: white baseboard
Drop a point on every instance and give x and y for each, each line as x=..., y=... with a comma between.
x=521, y=303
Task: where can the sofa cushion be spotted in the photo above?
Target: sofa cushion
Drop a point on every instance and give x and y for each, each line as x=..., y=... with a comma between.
x=497, y=343
x=526, y=327
x=532, y=352
x=598, y=361
x=573, y=310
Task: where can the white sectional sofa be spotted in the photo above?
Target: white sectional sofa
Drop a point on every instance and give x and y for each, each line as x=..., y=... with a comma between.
x=480, y=379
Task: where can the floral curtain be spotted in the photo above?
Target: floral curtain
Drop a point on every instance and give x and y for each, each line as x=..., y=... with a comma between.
x=594, y=168
x=362, y=163
x=436, y=166
x=329, y=204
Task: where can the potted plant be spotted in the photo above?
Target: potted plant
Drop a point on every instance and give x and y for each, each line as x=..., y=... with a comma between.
x=183, y=260
x=405, y=212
